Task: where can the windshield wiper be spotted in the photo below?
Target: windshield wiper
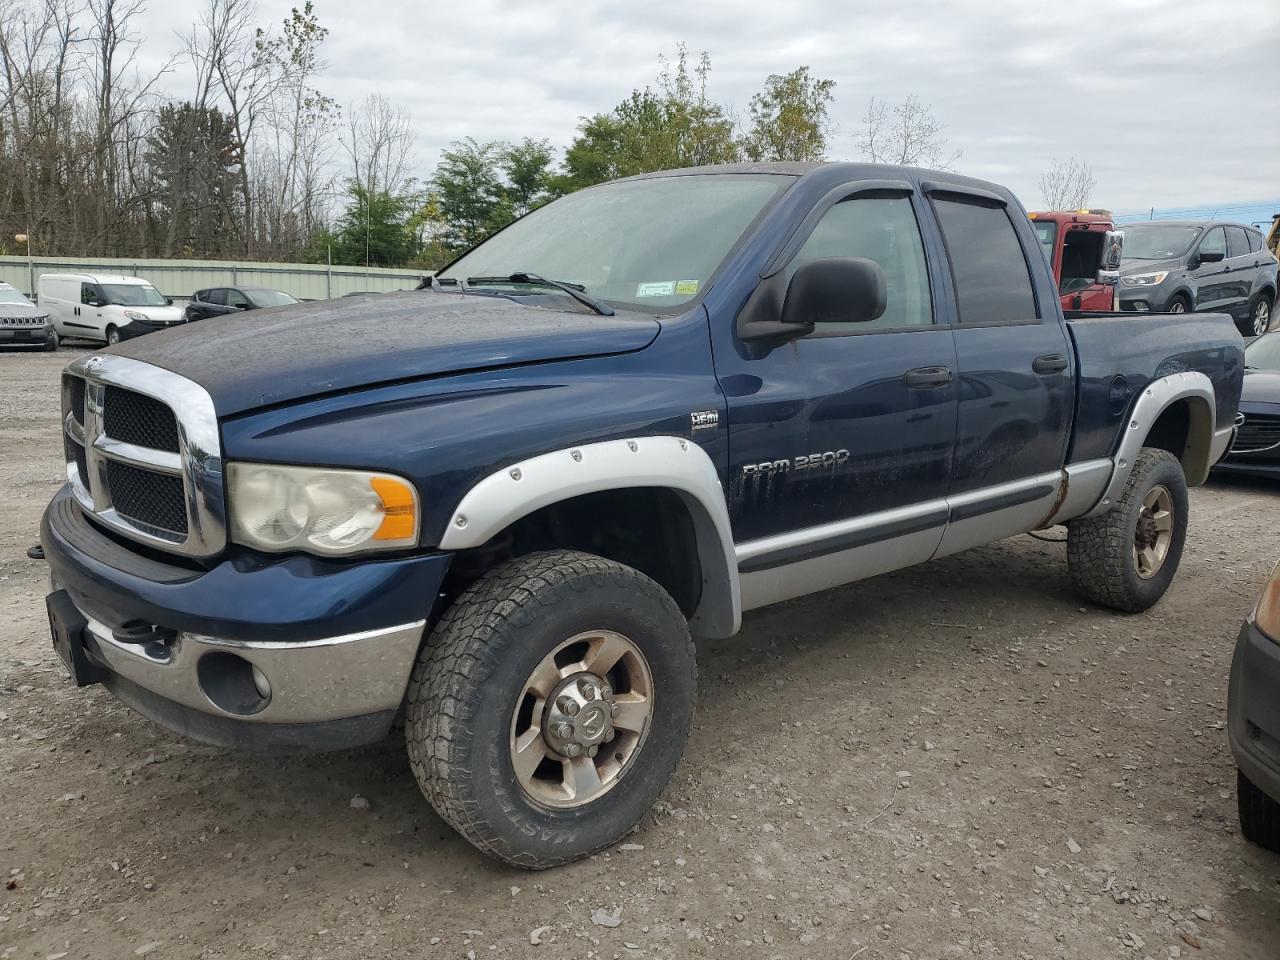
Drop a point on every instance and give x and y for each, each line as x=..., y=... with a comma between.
x=574, y=290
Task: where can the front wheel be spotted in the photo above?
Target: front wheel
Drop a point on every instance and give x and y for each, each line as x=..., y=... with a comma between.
x=1179, y=304
x=550, y=706
x=113, y=336
x=1259, y=814
x=1127, y=557
x=53, y=342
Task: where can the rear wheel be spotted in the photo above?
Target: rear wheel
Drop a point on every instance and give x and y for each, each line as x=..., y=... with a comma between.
x=1259, y=814
x=1127, y=557
x=113, y=335
x=1260, y=314
x=551, y=706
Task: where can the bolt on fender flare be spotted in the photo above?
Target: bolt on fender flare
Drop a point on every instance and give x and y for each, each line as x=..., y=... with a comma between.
x=1205, y=444
x=673, y=463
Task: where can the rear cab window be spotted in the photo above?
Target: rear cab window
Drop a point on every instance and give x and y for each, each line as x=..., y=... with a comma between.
x=988, y=265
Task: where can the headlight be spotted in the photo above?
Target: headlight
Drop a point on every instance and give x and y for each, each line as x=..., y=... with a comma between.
x=1145, y=279
x=135, y=315
x=329, y=512
x=1267, y=616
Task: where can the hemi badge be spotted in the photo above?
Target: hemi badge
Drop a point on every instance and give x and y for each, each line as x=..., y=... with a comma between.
x=704, y=419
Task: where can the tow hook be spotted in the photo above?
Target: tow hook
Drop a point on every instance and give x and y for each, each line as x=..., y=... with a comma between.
x=35, y=551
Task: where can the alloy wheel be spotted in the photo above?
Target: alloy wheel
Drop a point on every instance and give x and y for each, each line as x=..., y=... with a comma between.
x=1261, y=317
x=581, y=719
x=1154, y=533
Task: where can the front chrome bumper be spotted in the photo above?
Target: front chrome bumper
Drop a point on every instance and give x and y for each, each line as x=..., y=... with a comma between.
x=307, y=682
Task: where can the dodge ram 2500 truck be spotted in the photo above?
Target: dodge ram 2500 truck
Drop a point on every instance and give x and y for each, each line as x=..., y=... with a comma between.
x=502, y=507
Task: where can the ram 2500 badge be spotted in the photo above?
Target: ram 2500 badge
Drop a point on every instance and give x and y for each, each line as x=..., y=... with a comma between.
x=503, y=507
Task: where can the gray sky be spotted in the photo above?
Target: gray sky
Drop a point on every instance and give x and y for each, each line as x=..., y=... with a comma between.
x=1172, y=102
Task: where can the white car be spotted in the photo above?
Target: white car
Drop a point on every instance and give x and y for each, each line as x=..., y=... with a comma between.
x=22, y=323
x=105, y=308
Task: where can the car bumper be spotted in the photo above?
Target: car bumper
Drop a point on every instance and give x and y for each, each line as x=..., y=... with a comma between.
x=1253, y=708
x=1143, y=299
x=332, y=644
x=39, y=337
x=139, y=328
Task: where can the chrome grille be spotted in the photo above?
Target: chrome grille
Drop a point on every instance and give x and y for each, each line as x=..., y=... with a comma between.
x=143, y=454
x=1256, y=432
x=22, y=321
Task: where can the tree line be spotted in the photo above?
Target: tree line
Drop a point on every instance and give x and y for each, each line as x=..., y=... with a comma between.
x=255, y=161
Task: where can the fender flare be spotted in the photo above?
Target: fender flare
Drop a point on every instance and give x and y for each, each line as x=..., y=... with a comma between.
x=673, y=463
x=1205, y=444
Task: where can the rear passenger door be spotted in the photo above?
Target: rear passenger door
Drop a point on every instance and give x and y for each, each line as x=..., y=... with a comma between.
x=1015, y=373
x=1241, y=272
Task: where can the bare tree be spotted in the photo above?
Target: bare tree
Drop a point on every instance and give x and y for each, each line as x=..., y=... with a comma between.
x=1067, y=184
x=906, y=134
x=379, y=141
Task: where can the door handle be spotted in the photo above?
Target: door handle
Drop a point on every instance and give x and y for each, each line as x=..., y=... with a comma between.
x=927, y=378
x=1049, y=363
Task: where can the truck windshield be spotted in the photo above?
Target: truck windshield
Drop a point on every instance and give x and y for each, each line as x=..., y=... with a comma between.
x=133, y=294
x=647, y=243
x=1157, y=241
x=1263, y=353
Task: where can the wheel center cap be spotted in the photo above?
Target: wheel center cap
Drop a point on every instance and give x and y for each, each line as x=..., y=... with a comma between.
x=579, y=716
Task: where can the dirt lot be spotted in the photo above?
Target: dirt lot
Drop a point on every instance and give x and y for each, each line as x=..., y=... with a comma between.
x=957, y=760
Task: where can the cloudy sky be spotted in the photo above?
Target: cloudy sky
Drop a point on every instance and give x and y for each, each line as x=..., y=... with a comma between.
x=1172, y=102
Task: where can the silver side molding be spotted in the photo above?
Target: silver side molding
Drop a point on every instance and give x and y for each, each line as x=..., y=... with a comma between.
x=673, y=463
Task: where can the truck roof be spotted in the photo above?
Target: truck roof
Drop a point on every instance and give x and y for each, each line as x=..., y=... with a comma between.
x=1072, y=216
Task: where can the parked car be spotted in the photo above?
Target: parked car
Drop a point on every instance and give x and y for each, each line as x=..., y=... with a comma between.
x=507, y=506
x=219, y=301
x=1180, y=266
x=22, y=323
x=1256, y=447
x=1253, y=718
x=1085, y=252
x=105, y=308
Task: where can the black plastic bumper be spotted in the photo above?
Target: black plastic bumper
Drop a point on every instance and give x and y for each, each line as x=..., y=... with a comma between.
x=1253, y=708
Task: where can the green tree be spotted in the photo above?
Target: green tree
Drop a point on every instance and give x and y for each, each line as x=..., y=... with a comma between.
x=375, y=229
x=191, y=151
x=789, y=118
x=526, y=170
x=676, y=125
x=469, y=190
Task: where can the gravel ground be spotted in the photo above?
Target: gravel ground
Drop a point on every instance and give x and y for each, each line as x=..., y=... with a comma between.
x=956, y=760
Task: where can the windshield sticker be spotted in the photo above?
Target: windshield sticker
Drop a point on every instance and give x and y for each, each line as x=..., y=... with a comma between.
x=687, y=287
x=664, y=288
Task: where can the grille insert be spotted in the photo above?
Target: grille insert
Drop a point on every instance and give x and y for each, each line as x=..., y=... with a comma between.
x=134, y=418
x=77, y=398
x=153, y=500
x=1258, y=432
x=76, y=452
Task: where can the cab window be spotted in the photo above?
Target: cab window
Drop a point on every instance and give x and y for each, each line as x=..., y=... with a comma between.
x=88, y=293
x=993, y=282
x=883, y=229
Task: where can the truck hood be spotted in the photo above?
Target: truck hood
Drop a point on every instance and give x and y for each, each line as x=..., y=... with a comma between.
x=263, y=357
x=1260, y=386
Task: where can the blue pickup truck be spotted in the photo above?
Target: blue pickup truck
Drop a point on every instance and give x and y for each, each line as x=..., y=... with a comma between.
x=501, y=508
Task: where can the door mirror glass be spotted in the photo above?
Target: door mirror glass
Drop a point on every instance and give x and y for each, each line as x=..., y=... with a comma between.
x=1112, y=253
x=835, y=290
x=1211, y=256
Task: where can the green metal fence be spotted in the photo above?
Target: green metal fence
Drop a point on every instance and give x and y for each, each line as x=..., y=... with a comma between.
x=181, y=278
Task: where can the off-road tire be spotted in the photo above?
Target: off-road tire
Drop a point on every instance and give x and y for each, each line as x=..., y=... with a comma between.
x=1259, y=814
x=1100, y=549
x=467, y=677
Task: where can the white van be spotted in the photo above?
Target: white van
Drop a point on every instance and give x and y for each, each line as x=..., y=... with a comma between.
x=107, y=308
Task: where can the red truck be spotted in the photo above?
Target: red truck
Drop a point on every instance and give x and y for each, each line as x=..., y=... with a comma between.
x=1083, y=248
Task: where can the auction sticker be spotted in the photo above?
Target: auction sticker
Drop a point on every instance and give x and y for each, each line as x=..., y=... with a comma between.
x=663, y=288
x=687, y=287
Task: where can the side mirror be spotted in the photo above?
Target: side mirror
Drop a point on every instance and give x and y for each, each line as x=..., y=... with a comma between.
x=168, y=301
x=832, y=290
x=1112, y=253
x=1211, y=256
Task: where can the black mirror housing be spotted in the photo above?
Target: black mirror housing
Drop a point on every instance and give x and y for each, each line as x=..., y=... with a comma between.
x=1211, y=256
x=836, y=290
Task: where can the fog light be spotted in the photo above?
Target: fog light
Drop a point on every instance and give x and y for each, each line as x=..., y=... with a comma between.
x=233, y=684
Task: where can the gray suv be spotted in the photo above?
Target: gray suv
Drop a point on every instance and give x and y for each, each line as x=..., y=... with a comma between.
x=1177, y=266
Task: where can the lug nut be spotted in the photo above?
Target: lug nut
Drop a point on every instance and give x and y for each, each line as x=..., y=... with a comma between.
x=573, y=750
x=609, y=735
x=613, y=710
x=568, y=705
x=593, y=751
x=562, y=730
x=587, y=690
